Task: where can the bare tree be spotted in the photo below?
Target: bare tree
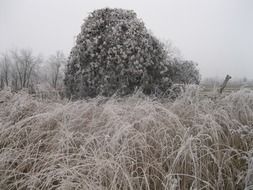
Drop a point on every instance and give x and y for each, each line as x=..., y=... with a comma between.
x=56, y=62
x=1, y=78
x=24, y=65
x=5, y=64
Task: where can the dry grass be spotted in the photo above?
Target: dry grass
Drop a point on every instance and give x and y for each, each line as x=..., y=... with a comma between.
x=131, y=143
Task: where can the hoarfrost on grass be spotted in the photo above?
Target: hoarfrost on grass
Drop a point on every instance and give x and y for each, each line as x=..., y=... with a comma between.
x=134, y=142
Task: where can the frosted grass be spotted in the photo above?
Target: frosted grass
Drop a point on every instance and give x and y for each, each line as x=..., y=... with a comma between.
x=127, y=143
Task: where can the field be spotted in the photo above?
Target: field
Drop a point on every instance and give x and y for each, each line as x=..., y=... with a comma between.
x=194, y=142
x=207, y=90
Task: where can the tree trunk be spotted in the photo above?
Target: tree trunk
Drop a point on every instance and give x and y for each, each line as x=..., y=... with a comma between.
x=224, y=84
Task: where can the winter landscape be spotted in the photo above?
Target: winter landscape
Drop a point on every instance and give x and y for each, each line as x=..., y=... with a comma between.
x=122, y=110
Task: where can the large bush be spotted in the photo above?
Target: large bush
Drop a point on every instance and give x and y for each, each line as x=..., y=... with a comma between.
x=115, y=53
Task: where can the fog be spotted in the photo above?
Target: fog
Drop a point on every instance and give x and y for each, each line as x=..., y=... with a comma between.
x=216, y=34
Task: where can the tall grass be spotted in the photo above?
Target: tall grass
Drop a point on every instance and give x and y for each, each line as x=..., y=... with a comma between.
x=131, y=143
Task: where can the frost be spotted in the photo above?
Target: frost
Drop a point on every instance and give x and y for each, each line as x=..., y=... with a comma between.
x=118, y=43
x=133, y=142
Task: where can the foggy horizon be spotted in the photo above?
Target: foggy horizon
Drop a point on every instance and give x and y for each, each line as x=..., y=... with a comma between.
x=215, y=34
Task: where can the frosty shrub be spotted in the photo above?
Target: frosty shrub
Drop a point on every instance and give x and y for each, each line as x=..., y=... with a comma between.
x=184, y=72
x=116, y=53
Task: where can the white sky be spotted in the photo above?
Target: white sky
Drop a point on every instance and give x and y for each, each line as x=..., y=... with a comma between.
x=218, y=34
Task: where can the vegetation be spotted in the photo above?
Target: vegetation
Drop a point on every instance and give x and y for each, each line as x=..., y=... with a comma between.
x=21, y=69
x=127, y=143
x=115, y=53
x=118, y=137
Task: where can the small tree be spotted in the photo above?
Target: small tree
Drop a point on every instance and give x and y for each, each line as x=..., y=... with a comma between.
x=56, y=62
x=5, y=67
x=24, y=68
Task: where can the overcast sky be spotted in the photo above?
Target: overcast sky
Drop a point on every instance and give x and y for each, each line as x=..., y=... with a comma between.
x=218, y=34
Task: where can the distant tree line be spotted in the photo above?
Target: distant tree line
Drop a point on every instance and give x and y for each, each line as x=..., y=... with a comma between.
x=21, y=69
